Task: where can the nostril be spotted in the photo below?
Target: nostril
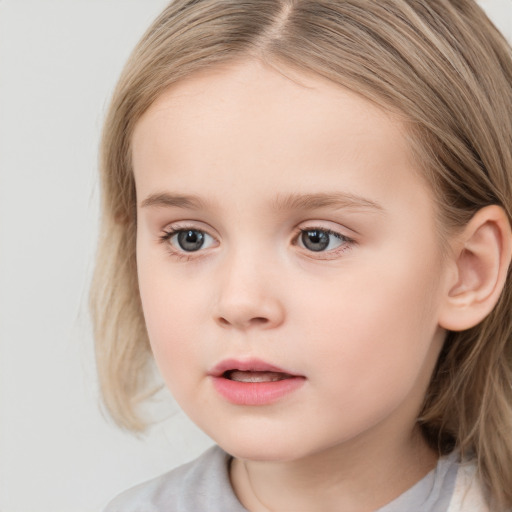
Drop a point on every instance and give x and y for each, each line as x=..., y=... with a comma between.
x=259, y=320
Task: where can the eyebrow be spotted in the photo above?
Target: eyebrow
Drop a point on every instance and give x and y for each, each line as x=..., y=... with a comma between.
x=179, y=201
x=324, y=200
x=280, y=203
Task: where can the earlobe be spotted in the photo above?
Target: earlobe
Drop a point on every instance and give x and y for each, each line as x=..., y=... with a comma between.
x=482, y=257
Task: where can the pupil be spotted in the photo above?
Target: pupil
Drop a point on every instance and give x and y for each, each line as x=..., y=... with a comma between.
x=191, y=240
x=315, y=240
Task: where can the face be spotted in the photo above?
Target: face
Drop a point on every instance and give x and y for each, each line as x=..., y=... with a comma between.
x=290, y=270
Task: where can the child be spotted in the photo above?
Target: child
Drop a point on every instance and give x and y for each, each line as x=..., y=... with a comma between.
x=306, y=221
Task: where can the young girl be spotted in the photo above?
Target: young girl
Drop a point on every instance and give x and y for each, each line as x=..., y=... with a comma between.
x=306, y=221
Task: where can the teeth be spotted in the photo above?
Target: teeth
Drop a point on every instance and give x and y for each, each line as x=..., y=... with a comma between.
x=241, y=376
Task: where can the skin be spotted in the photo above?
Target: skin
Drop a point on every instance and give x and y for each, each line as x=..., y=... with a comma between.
x=359, y=320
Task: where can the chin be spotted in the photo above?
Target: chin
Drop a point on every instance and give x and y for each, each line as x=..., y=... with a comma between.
x=262, y=446
x=260, y=453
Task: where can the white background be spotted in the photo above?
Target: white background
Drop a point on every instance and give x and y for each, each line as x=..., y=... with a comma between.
x=59, y=61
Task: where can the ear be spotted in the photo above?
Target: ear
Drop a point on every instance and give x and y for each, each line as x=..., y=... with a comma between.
x=481, y=257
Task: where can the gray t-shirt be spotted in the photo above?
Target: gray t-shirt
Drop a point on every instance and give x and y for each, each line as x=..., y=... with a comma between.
x=203, y=486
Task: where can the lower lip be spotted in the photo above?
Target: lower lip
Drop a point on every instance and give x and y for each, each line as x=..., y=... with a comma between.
x=256, y=393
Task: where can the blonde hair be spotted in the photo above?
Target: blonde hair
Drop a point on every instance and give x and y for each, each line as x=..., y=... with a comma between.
x=443, y=67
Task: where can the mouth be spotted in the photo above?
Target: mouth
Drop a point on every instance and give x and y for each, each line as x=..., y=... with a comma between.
x=253, y=382
x=252, y=370
x=255, y=376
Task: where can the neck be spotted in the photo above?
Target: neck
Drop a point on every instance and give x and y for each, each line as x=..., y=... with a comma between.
x=360, y=476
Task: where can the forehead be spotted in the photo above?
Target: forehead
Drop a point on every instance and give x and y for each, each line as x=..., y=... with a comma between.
x=248, y=124
x=277, y=98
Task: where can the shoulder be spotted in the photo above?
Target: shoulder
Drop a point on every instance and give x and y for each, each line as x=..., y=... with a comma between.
x=201, y=485
x=468, y=494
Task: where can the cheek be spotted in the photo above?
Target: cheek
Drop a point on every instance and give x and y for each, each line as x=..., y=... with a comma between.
x=172, y=310
x=374, y=330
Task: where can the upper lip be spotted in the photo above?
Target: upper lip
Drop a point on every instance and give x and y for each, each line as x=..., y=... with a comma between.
x=248, y=365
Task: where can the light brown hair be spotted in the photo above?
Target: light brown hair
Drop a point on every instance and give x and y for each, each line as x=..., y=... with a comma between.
x=443, y=67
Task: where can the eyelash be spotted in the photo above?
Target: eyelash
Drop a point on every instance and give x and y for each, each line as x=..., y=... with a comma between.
x=181, y=255
x=345, y=241
x=167, y=235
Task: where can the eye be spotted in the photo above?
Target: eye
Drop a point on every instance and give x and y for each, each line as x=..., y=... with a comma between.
x=188, y=240
x=319, y=240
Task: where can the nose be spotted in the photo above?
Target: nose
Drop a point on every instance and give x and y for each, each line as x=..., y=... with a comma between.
x=248, y=296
